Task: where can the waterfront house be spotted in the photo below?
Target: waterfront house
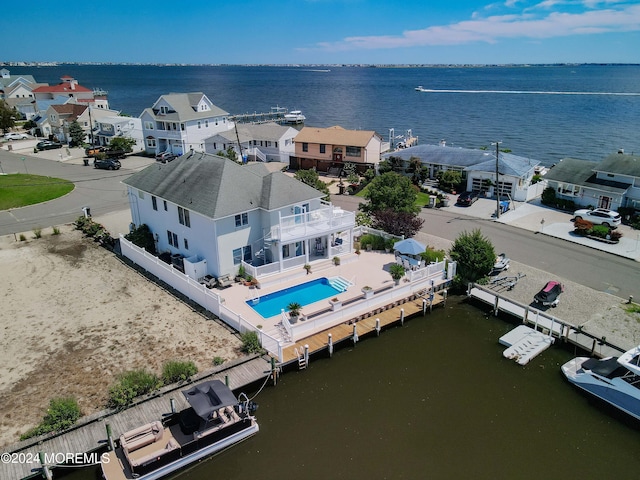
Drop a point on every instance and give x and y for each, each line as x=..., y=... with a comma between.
x=328, y=149
x=180, y=122
x=478, y=169
x=70, y=89
x=17, y=92
x=266, y=142
x=213, y=214
x=612, y=183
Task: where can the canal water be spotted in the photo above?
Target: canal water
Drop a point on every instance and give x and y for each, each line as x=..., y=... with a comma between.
x=432, y=399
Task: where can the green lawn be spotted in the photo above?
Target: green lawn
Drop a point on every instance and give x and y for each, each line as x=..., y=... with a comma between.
x=20, y=189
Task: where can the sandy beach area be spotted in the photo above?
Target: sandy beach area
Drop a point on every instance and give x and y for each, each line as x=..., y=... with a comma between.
x=74, y=317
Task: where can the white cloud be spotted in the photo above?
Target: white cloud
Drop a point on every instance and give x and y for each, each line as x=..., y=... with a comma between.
x=497, y=27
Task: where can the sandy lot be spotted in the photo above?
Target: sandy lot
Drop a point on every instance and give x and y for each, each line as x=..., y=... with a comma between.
x=74, y=316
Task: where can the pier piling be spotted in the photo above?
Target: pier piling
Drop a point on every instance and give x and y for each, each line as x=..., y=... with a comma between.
x=378, y=327
x=330, y=345
x=110, y=437
x=355, y=334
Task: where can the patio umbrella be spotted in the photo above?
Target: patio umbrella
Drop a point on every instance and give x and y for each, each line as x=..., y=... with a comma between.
x=409, y=246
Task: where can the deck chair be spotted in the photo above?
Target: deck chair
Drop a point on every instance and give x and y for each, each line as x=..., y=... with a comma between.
x=224, y=281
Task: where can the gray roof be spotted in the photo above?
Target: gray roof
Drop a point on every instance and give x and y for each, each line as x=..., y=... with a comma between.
x=217, y=187
x=582, y=172
x=469, y=159
x=184, y=107
x=621, y=164
x=248, y=132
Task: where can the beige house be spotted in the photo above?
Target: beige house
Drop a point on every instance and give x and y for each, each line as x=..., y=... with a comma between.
x=330, y=148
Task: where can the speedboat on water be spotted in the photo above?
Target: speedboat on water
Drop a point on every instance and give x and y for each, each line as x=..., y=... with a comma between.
x=616, y=380
x=215, y=421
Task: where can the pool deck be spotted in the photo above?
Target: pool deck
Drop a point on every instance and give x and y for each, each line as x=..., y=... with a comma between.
x=367, y=269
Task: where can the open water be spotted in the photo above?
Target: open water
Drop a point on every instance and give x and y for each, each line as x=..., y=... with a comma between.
x=579, y=111
x=433, y=399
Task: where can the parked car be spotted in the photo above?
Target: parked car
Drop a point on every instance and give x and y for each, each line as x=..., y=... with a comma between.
x=48, y=145
x=15, y=136
x=107, y=163
x=165, y=157
x=599, y=216
x=467, y=198
x=550, y=294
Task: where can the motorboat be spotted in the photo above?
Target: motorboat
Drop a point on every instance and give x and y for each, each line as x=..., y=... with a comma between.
x=501, y=264
x=616, y=380
x=294, y=116
x=550, y=294
x=419, y=88
x=215, y=420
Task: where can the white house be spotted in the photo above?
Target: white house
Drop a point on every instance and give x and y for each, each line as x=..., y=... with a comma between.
x=58, y=118
x=478, y=168
x=214, y=214
x=180, y=122
x=113, y=126
x=612, y=183
x=267, y=142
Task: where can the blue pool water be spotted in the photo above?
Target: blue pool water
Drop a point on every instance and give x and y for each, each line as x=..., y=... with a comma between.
x=304, y=294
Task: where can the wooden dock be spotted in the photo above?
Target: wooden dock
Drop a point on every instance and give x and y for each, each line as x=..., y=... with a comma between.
x=363, y=326
x=91, y=434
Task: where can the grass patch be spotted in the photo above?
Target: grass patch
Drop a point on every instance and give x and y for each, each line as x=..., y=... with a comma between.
x=19, y=190
x=422, y=199
x=632, y=308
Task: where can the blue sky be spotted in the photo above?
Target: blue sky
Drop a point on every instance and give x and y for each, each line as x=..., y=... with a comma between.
x=324, y=31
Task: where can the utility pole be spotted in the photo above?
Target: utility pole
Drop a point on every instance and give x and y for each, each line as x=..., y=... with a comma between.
x=497, y=144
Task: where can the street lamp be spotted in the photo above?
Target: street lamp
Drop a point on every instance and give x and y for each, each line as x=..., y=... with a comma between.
x=497, y=144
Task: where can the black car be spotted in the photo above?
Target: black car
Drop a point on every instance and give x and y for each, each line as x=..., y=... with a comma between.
x=48, y=145
x=107, y=163
x=467, y=198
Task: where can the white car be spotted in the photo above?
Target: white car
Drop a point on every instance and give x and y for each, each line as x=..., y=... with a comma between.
x=599, y=216
x=15, y=136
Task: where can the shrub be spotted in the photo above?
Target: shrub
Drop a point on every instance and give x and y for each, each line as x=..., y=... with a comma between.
x=176, y=371
x=143, y=238
x=600, y=231
x=396, y=271
x=336, y=261
x=615, y=235
x=23, y=238
x=548, y=196
x=130, y=385
x=432, y=255
x=37, y=233
x=251, y=342
x=56, y=231
x=582, y=227
x=218, y=361
x=61, y=414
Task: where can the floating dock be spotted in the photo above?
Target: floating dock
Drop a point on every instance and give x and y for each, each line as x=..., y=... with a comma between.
x=524, y=344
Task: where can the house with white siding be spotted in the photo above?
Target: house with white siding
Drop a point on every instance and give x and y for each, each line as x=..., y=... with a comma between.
x=180, y=122
x=266, y=142
x=214, y=214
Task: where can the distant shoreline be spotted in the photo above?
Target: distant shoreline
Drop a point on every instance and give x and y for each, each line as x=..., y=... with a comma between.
x=324, y=65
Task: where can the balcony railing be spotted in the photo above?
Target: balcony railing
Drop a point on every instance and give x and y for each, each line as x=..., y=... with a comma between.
x=315, y=223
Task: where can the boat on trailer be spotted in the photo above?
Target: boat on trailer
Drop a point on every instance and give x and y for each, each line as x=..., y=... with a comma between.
x=616, y=380
x=216, y=420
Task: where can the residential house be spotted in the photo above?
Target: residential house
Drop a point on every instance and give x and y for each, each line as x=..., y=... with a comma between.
x=266, y=142
x=612, y=183
x=213, y=215
x=56, y=120
x=70, y=89
x=113, y=126
x=478, y=169
x=330, y=148
x=17, y=92
x=180, y=122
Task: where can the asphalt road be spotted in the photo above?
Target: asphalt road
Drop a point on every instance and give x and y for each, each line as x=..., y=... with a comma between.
x=101, y=190
x=595, y=269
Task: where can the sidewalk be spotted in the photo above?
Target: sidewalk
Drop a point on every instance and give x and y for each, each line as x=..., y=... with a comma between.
x=536, y=217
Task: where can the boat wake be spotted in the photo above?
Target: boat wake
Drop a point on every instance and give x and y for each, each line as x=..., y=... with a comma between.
x=530, y=92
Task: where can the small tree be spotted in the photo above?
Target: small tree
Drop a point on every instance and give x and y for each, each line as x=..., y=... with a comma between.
x=311, y=178
x=474, y=255
x=122, y=143
x=450, y=178
x=548, y=196
x=397, y=272
x=76, y=133
x=8, y=116
x=390, y=191
x=397, y=223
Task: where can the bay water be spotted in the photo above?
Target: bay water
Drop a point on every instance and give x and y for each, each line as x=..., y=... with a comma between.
x=579, y=111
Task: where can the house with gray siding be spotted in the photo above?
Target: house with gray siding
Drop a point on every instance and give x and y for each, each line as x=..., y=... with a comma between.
x=215, y=214
x=612, y=183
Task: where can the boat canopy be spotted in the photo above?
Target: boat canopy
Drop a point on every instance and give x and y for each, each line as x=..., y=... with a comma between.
x=208, y=397
x=605, y=367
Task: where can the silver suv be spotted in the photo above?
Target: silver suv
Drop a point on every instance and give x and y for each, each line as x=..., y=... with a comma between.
x=599, y=216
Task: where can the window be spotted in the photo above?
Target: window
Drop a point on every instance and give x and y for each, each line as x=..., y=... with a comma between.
x=183, y=217
x=154, y=203
x=148, y=125
x=353, y=151
x=172, y=238
x=151, y=142
x=243, y=253
x=140, y=194
x=305, y=147
x=323, y=148
x=186, y=244
x=206, y=124
x=164, y=110
x=165, y=205
x=199, y=125
x=242, y=219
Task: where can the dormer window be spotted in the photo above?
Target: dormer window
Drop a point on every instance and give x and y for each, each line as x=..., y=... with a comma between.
x=164, y=110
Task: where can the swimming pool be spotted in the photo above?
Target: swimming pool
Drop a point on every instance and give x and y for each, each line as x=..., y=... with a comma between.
x=304, y=294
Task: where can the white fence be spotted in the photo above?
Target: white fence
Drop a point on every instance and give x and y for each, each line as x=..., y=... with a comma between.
x=197, y=292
